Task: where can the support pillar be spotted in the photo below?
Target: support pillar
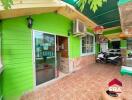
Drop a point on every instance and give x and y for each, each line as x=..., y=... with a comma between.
x=123, y=46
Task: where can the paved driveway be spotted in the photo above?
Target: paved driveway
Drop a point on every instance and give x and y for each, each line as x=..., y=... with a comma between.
x=84, y=84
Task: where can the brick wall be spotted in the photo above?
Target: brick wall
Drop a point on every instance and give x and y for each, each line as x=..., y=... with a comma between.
x=82, y=61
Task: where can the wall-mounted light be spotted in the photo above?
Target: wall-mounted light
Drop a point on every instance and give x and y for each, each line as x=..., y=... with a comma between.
x=30, y=22
x=69, y=32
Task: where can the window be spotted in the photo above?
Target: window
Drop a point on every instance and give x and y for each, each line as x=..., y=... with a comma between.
x=87, y=43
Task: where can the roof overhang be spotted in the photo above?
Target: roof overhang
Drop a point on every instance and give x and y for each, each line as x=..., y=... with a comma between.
x=124, y=36
x=114, y=36
x=30, y=7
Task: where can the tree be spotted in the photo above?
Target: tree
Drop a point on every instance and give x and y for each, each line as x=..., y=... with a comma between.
x=7, y=3
x=94, y=4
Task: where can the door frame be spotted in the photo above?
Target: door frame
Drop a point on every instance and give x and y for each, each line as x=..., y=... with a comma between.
x=33, y=57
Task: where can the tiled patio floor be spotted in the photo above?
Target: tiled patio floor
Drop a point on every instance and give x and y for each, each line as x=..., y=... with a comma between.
x=84, y=84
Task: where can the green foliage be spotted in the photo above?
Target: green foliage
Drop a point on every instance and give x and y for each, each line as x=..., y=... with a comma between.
x=94, y=4
x=7, y=3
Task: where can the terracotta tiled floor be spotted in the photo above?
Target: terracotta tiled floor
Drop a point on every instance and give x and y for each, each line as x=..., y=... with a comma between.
x=84, y=84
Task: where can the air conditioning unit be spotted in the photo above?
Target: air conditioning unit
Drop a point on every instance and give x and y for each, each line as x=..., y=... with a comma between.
x=79, y=28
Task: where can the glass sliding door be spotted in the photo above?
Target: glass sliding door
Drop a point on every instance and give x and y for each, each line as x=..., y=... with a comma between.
x=44, y=57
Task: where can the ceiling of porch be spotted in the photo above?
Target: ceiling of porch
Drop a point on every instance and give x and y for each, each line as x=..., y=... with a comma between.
x=107, y=16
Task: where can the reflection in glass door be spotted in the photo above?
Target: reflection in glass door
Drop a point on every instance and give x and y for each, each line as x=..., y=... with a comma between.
x=44, y=57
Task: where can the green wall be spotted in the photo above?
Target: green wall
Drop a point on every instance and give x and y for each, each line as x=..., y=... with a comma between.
x=123, y=44
x=17, y=50
x=110, y=44
x=0, y=86
x=112, y=31
x=74, y=47
x=59, y=25
x=0, y=58
x=17, y=58
x=97, y=48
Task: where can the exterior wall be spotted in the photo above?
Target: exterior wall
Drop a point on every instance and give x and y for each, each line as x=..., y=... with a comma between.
x=82, y=61
x=0, y=65
x=112, y=31
x=125, y=16
x=0, y=86
x=17, y=50
x=107, y=33
x=18, y=75
x=17, y=58
x=123, y=45
x=97, y=48
x=74, y=47
x=58, y=25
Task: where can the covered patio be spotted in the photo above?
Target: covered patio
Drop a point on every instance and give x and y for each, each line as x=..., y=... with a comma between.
x=54, y=53
x=84, y=84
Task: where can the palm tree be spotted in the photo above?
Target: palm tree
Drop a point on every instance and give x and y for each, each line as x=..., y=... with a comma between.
x=94, y=4
x=7, y=3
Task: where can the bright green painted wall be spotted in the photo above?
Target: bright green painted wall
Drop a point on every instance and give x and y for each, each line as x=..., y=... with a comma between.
x=74, y=47
x=123, y=44
x=17, y=58
x=17, y=50
x=116, y=30
x=58, y=25
x=0, y=58
x=110, y=44
x=90, y=30
x=97, y=48
x=52, y=22
x=0, y=86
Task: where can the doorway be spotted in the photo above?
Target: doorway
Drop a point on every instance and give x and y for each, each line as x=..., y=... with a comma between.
x=50, y=56
x=115, y=44
x=44, y=57
x=62, y=55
